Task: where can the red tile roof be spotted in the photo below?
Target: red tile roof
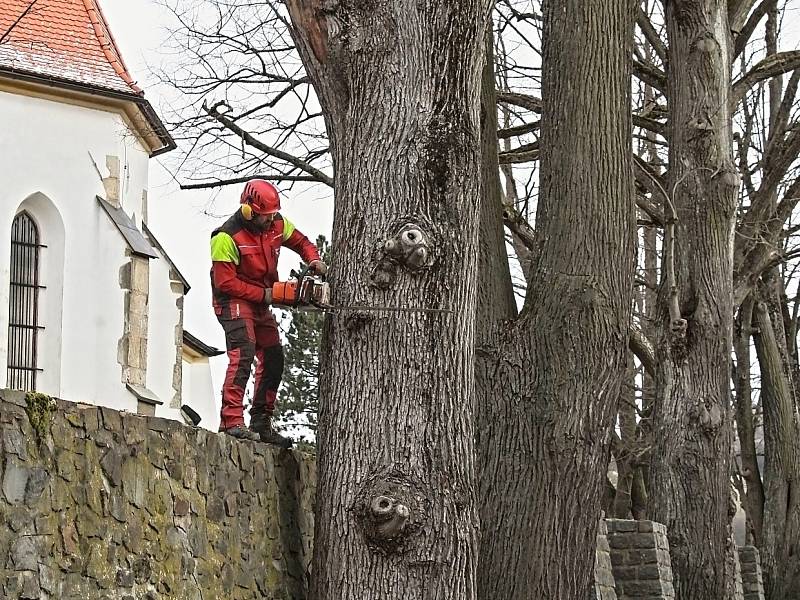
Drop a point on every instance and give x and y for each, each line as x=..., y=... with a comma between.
x=68, y=40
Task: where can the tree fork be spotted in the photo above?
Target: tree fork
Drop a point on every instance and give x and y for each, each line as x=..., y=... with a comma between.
x=562, y=363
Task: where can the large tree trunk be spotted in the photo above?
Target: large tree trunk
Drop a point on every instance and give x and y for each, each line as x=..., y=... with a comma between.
x=399, y=83
x=690, y=467
x=563, y=362
x=781, y=521
x=495, y=306
x=624, y=449
x=753, y=500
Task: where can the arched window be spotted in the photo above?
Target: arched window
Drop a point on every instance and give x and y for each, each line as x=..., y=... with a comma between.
x=23, y=304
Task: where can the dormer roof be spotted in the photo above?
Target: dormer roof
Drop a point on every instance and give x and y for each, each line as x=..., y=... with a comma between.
x=67, y=44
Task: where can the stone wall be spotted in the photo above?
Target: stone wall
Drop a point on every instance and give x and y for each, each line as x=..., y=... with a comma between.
x=101, y=505
x=604, y=585
x=640, y=557
x=98, y=504
x=752, y=583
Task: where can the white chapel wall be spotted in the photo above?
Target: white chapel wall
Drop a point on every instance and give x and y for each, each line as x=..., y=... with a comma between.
x=46, y=147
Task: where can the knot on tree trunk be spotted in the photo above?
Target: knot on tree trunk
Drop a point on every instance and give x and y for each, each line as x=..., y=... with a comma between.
x=390, y=509
x=390, y=516
x=411, y=247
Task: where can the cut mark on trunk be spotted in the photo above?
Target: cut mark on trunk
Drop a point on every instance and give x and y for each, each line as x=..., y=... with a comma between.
x=309, y=18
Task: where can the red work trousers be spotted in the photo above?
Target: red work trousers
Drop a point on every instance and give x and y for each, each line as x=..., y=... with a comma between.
x=248, y=339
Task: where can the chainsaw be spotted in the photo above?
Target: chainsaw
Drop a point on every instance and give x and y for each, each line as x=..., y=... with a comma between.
x=306, y=291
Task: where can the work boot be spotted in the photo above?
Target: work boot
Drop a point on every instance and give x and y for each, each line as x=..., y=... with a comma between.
x=242, y=432
x=262, y=425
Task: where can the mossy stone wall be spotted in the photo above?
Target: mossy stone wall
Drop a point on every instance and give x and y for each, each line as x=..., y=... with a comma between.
x=99, y=504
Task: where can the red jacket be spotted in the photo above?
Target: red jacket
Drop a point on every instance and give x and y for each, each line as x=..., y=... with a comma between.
x=245, y=263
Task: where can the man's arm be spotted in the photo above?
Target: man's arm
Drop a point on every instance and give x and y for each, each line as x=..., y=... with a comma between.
x=294, y=239
x=225, y=257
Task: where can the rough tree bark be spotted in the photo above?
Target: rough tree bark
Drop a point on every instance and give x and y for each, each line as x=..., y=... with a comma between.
x=563, y=361
x=495, y=308
x=781, y=510
x=624, y=449
x=399, y=83
x=690, y=466
x=754, y=496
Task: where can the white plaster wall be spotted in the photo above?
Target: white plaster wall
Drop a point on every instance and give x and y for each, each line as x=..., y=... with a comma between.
x=198, y=392
x=45, y=148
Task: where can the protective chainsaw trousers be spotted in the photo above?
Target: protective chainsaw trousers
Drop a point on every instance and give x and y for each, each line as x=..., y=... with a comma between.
x=249, y=339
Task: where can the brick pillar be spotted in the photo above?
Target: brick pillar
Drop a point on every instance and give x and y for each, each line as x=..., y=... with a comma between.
x=640, y=558
x=751, y=573
x=603, y=573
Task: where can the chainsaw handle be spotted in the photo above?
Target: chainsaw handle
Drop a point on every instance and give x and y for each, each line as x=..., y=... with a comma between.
x=301, y=277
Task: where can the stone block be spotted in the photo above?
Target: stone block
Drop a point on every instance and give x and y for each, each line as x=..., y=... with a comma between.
x=621, y=526
x=620, y=542
x=14, y=443
x=24, y=554
x=182, y=507
x=15, y=481
x=38, y=479
x=112, y=419
x=111, y=464
x=642, y=540
x=643, y=557
x=641, y=588
x=626, y=573
x=649, y=572
x=30, y=587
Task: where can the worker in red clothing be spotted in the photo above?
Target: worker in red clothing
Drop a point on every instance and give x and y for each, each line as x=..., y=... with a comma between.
x=244, y=254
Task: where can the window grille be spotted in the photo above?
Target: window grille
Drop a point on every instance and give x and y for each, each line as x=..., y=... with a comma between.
x=23, y=305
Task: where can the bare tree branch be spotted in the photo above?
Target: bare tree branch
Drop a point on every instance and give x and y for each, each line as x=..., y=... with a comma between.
x=651, y=35
x=643, y=349
x=777, y=64
x=738, y=11
x=523, y=154
x=743, y=36
x=224, y=182
x=651, y=75
x=530, y=103
x=213, y=111
x=646, y=178
x=518, y=130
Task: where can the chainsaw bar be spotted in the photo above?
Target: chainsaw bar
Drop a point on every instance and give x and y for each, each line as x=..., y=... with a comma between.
x=356, y=308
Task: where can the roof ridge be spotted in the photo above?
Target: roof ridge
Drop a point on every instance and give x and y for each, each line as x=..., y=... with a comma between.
x=108, y=45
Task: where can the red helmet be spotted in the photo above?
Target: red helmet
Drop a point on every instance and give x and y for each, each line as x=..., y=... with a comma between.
x=261, y=197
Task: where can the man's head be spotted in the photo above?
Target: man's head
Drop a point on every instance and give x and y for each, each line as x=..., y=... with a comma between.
x=260, y=202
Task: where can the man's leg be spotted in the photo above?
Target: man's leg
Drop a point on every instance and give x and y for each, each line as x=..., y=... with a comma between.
x=269, y=371
x=241, y=345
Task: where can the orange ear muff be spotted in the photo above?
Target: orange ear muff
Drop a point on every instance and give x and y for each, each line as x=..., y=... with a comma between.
x=247, y=212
